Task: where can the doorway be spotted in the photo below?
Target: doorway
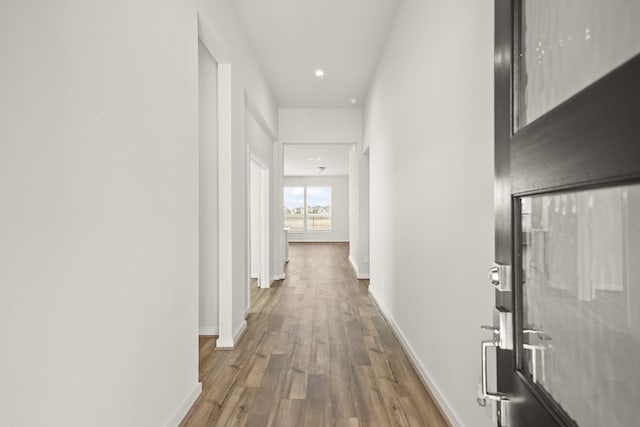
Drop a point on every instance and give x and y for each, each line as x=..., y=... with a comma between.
x=258, y=225
x=208, y=191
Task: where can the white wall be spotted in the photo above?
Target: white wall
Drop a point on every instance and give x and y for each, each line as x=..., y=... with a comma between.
x=339, y=207
x=278, y=244
x=99, y=207
x=208, y=190
x=362, y=257
x=354, y=209
x=254, y=200
x=260, y=142
x=429, y=121
x=359, y=212
x=318, y=125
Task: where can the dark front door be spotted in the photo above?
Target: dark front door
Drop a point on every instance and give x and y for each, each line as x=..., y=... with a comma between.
x=567, y=151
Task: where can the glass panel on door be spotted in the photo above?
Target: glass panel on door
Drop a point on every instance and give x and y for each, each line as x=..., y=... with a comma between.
x=567, y=45
x=580, y=276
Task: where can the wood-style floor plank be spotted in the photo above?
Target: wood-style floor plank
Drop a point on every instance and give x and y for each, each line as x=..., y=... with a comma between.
x=316, y=353
x=290, y=413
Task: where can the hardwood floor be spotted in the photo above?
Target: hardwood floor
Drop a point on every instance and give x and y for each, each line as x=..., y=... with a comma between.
x=316, y=353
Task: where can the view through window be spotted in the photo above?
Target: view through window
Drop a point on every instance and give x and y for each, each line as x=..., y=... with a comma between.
x=307, y=208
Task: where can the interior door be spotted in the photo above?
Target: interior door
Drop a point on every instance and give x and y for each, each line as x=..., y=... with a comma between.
x=567, y=167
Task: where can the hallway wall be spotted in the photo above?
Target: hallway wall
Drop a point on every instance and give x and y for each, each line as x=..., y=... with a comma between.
x=320, y=125
x=254, y=220
x=99, y=206
x=429, y=126
x=359, y=212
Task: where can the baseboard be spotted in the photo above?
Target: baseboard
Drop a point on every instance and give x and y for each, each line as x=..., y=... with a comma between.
x=247, y=313
x=188, y=402
x=318, y=241
x=354, y=266
x=208, y=331
x=224, y=344
x=231, y=344
x=440, y=400
x=239, y=333
x=268, y=285
x=357, y=270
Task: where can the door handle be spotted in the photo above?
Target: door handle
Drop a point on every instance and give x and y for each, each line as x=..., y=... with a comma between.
x=534, y=360
x=486, y=394
x=534, y=349
x=502, y=338
x=496, y=331
x=501, y=401
x=540, y=333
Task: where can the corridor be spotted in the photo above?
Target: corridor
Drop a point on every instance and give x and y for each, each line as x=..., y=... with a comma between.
x=316, y=353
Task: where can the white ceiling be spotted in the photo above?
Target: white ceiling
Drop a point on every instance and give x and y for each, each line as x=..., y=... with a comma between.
x=304, y=159
x=293, y=38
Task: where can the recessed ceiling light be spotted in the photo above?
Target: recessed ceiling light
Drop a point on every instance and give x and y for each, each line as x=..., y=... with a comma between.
x=353, y=101
x=319, y=72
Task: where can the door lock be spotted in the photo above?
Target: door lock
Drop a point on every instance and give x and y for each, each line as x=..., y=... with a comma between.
x=500, y=277
x=503, y=333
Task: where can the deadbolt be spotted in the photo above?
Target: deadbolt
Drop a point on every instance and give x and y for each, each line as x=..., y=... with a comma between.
x=500, y=277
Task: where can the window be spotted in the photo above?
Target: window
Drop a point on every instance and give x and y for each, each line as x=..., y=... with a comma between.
x=318, y=208
x=307, y=208
x=294, y=208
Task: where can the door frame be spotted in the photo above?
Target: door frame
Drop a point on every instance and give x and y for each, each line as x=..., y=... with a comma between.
x=219, y=52
x=590, y=140
x=208, y=203
x=264, y=279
